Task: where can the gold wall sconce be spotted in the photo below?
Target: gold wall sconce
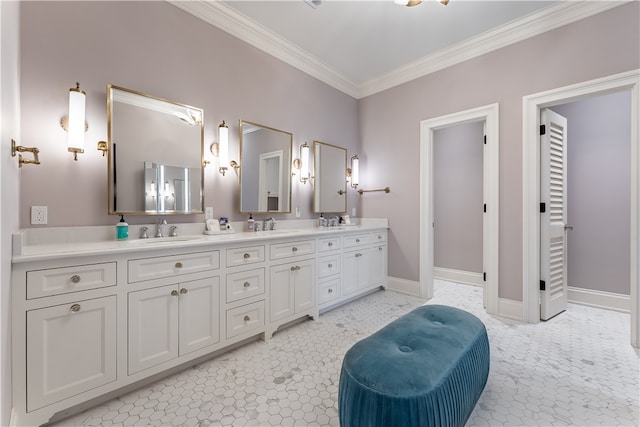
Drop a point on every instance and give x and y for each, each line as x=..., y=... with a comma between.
x=74, y=123
x=20, y=149
x=220, y=149
x=354, y=173
x=302, y=163
x=102, y=146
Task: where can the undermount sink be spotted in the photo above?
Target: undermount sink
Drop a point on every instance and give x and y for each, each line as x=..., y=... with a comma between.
x=158, y=240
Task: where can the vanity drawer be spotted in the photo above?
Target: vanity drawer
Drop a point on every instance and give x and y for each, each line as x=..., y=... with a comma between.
x=245, y=319
x=328, y=290
x=56, y=281
x=379, y=237
x=245, y=284
x=289, y=249
x=328, y=244
x=244, y=256
x=173, y=265
x=329, y=265
x=356, y=241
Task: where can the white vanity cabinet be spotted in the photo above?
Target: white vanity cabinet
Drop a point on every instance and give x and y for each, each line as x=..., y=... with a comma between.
x=170, y=321
x=71, y=348
x=90, y=323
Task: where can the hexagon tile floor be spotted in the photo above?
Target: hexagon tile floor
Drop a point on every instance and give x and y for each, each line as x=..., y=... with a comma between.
x=576, y=369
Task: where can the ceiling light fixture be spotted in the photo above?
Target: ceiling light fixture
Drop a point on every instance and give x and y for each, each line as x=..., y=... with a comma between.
x=411, y=3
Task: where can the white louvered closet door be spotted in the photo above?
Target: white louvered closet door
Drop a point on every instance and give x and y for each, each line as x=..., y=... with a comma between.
x=553, y=186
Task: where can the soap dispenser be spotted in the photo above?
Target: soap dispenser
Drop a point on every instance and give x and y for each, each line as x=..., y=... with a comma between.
x=122, y=229
x=251, y=223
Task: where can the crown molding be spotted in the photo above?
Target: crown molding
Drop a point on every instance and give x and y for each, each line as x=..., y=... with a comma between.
x=532, y=25
x=238, y=25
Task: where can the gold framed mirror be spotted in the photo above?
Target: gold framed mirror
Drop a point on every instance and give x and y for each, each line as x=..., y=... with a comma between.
x=156, y=153
x=330, y=189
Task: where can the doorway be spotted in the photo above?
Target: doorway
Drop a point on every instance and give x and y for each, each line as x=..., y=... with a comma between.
x=532, y=107
x=490, y=184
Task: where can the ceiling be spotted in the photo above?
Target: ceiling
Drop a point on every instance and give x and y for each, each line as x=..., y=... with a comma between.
x=364, y=46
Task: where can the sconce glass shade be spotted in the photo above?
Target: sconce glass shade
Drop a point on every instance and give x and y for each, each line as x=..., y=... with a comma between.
x=304, y=162
x=223, y=147
x=76, y=126
x=355, y=171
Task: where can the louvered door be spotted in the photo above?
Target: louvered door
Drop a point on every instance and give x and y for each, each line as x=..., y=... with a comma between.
x=553, y=276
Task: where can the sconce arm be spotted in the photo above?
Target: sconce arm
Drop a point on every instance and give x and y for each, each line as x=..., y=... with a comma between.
x=20, y=149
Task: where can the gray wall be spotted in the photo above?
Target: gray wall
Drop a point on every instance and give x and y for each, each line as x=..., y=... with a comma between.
x=598, y=46
x=598, y=193
x=457, y=184
x=156, y=48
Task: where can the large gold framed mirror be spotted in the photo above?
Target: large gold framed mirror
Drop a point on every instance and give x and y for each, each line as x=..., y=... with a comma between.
x=330, y=189
x=265, y=168
x=156, y=153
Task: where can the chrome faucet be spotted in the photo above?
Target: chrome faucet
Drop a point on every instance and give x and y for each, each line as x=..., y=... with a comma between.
x=173, y=231
x=161, y=222
x=268, y=224
x=143, y=233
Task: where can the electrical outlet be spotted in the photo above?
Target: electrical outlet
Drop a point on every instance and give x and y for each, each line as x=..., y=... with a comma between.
x=297, y=212
x=208, y=212
x=38, y=215
x=353, y=212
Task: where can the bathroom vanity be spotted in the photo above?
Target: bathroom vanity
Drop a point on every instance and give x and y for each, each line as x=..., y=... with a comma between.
x=94, y=317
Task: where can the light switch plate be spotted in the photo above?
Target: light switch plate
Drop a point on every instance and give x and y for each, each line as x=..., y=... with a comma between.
x=38, y=215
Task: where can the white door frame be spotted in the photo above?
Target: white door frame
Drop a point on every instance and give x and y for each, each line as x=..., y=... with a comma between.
x=489, y=114
x=531, y=106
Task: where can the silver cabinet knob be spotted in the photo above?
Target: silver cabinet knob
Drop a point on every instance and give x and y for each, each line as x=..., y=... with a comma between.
x=330, y=244
x=246, y=318
x=294, y=249
x=330, y=291
x=174, y=293
x=74, y=308
x=183, y=291
x=246, y=284
x=246, y=256
x=568, y=227
x=357, y=240
x=178, y=264
x=358, y=255
x=75, y=279
x=330, y=266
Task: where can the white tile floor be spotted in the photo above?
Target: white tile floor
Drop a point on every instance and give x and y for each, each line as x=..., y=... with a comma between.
x=576, y=369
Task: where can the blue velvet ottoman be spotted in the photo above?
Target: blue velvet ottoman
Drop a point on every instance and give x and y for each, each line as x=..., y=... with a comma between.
x=427, y=368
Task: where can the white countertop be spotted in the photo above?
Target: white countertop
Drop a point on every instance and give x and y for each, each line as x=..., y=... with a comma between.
x=39, y=244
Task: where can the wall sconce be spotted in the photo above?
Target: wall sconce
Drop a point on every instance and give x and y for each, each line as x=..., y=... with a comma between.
x=220, y=149
x=75, y=123
x=102, y=146
x=354, y=171
x=302, y=163
x=15, y=148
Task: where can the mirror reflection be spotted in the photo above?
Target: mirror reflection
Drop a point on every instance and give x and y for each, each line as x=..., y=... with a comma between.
x=330, y=189
x=265, y=168
x=155, y=154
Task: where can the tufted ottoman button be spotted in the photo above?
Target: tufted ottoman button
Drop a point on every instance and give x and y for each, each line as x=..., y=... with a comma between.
x=405, y=349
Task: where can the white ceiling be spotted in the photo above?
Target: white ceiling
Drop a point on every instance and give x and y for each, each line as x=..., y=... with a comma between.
x=364, y=46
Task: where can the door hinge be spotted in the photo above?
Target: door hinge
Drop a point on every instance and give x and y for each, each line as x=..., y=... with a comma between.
x=543, y=285
x=543, y=207
x=485, y=139
x=484, y=276
x=485, y=208
x=543, y=129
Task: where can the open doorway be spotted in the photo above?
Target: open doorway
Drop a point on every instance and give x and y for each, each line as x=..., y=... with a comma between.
x=532, y=106
x=488, y=117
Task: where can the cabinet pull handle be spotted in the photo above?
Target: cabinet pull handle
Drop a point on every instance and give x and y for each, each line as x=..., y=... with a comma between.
x=379, y=248
x=293, y=268
x=247, y=318
x=183, y=291
x=294, y=249
x=330, y=291
x=330, y=244
x=174, y=293
x=379, y=237
x=358, y=255
x=246, y=284
x=75, y=278
x=330, y=266
x=246, y=256
x=357, y=240
x=74, y=308
x=178, y=264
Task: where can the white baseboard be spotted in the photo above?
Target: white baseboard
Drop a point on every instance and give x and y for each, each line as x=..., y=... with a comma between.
x=458, y=276
x=599, y=299
x=404, y=286
x=511, y=309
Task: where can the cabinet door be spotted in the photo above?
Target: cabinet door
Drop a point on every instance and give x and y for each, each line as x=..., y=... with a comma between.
x=303, y=289
x=379, y=265
x=349, y=273
x=363, y=267
x=281, y=294
x=199, y=314
x=71, y=349
x=153, y=327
